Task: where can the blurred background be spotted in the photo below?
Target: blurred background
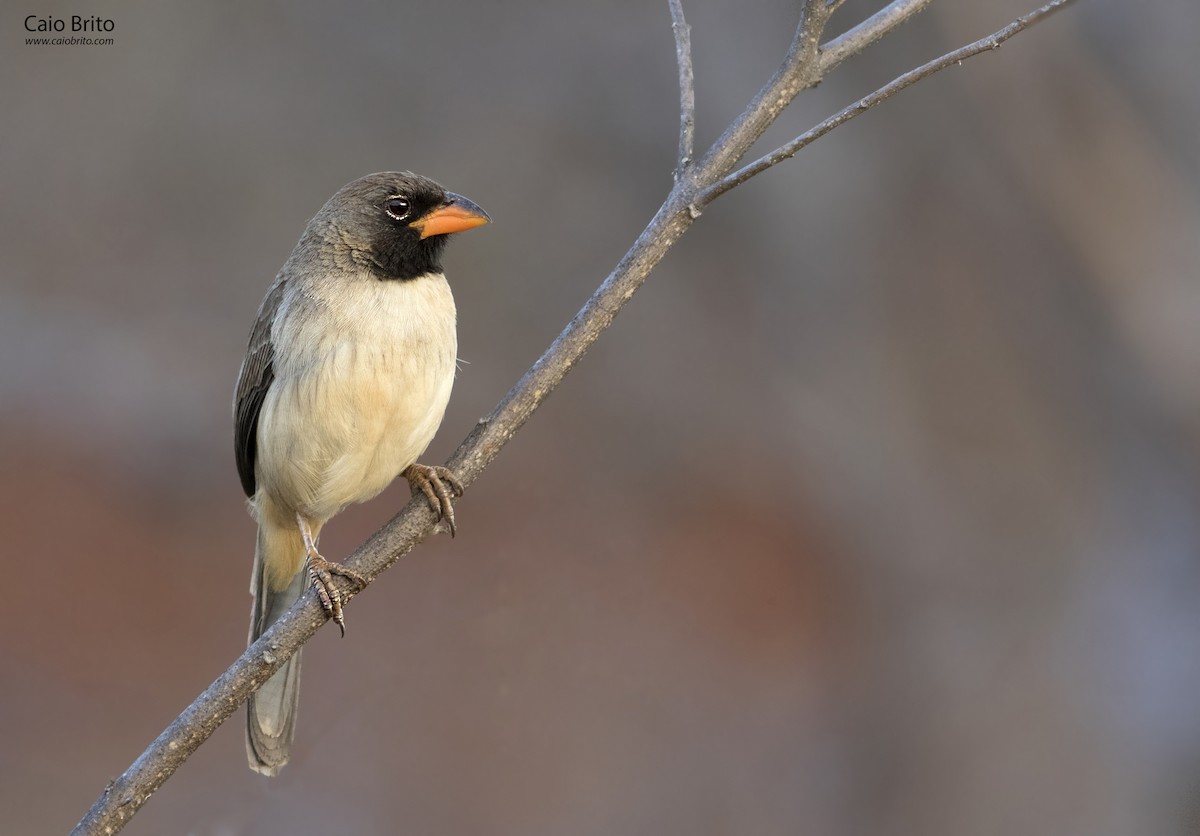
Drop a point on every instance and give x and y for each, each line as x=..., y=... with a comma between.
x=874, y=513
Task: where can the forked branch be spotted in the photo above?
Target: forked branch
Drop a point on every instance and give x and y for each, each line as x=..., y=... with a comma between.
x=950, y=59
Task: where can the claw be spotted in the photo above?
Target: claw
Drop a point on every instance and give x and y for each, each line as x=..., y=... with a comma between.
x=433, y=481
x=321, y=571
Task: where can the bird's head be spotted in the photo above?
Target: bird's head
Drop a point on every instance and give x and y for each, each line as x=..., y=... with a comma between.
x=394, y=224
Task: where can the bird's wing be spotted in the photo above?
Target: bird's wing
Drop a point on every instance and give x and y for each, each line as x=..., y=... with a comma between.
x=258, y=371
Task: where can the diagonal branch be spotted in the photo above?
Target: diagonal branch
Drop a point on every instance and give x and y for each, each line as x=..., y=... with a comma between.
x=950, y=59
x=803, y=66
x=687, y=89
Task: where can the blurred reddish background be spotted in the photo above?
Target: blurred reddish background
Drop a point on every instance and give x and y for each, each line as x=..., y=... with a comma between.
x=875, y=512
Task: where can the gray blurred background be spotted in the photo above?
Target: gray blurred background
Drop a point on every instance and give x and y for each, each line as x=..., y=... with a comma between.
x=874, y=513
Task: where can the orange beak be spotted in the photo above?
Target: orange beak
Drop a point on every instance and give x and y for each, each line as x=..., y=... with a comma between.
x=457, y=214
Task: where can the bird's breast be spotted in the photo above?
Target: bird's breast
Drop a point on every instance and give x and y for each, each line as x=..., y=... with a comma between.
x=363, y=373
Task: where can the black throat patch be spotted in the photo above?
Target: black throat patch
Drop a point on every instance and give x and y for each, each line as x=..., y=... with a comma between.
x=399, y=255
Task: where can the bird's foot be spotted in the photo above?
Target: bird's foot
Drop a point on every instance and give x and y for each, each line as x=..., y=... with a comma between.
x=440, y=487
x=322, y=571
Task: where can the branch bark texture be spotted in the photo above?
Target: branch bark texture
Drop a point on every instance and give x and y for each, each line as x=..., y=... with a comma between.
x=696, y=185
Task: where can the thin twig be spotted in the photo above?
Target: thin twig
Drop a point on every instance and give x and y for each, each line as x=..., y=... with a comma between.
x=950, y=59
x=687, y=89
x=803, y=66
x=868, y=32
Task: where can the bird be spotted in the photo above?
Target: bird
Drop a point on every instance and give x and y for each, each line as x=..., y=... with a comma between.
x=346, y=378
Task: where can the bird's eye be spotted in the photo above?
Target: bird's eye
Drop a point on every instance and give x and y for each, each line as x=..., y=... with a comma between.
x=398, y=208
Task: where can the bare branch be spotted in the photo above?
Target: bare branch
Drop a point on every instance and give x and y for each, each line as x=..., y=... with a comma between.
x=803, y=66
x=687, y=89
x=950, y=59
x=868, y=32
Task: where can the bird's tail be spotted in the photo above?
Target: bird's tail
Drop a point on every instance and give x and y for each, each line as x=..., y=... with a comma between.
x=271, y=711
